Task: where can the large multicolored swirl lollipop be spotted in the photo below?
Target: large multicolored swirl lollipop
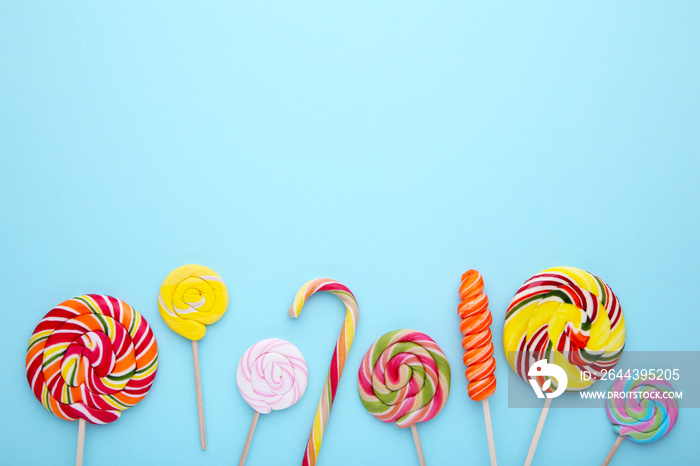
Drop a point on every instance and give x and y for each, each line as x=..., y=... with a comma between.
x=404, y=378
x=90, y=358
x=271, y=375
x=642, y=410
x=192, y=297
x=567, y=317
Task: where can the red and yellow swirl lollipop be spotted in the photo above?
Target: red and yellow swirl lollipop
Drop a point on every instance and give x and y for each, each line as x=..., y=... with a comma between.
x=569, y=318
x=90, y=358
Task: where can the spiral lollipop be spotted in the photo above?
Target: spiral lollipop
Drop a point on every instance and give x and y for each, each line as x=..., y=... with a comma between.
x=478, y=348
x=90, y=358
x=271, y=375
x=567, y=317
x=404, y=378
x=642, y=410
x=192, y=297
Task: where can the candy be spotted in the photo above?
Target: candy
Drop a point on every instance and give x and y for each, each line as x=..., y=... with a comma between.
x=478, y=348
x=271, y=375
x=642, y=410
x=340, y=354
x=404, y=378
x=191, y=297
x=569, y=317
x=90, y=358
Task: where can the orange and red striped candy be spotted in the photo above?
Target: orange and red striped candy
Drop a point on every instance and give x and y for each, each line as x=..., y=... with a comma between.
x=478, y=348
x=91, y=357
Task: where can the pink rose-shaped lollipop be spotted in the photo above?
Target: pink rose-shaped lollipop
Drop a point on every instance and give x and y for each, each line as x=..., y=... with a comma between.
x=271, y=375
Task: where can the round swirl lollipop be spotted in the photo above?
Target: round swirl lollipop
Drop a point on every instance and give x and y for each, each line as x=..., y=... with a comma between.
x=567, y=317
x=404, y=378
x=90, y=358
x=641, y=409
x=192, y=297
x=271, y=375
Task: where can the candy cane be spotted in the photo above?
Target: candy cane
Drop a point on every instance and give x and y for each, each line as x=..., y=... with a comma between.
x=347, y=334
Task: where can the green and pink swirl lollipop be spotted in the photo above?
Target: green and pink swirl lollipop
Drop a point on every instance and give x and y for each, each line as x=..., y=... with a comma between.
x=404, y=379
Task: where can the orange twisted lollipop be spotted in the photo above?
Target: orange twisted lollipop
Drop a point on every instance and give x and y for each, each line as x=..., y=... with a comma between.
x=478, y=349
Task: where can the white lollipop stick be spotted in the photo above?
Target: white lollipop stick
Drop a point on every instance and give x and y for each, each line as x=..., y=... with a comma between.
x=538, y=432
x=200, y=402
x=249, y=438
x=419, y=449
x=612, y=451
x=81, y=442
x=489, y=431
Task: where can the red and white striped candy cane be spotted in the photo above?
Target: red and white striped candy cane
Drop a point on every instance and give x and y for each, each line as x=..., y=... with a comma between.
x=347, y=334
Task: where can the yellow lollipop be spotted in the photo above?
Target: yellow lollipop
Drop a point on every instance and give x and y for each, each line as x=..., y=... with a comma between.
x=192, y=297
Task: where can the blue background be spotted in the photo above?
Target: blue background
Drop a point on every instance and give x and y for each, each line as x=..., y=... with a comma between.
x=390, y=147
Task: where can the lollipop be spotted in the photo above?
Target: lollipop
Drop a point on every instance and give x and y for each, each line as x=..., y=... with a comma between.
x=271, y=375
x=404, y=378
x=569, y=318
x=641, y=409
x=478, y=348
x=191, y=297
x=340, y=354
x=90, y=358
